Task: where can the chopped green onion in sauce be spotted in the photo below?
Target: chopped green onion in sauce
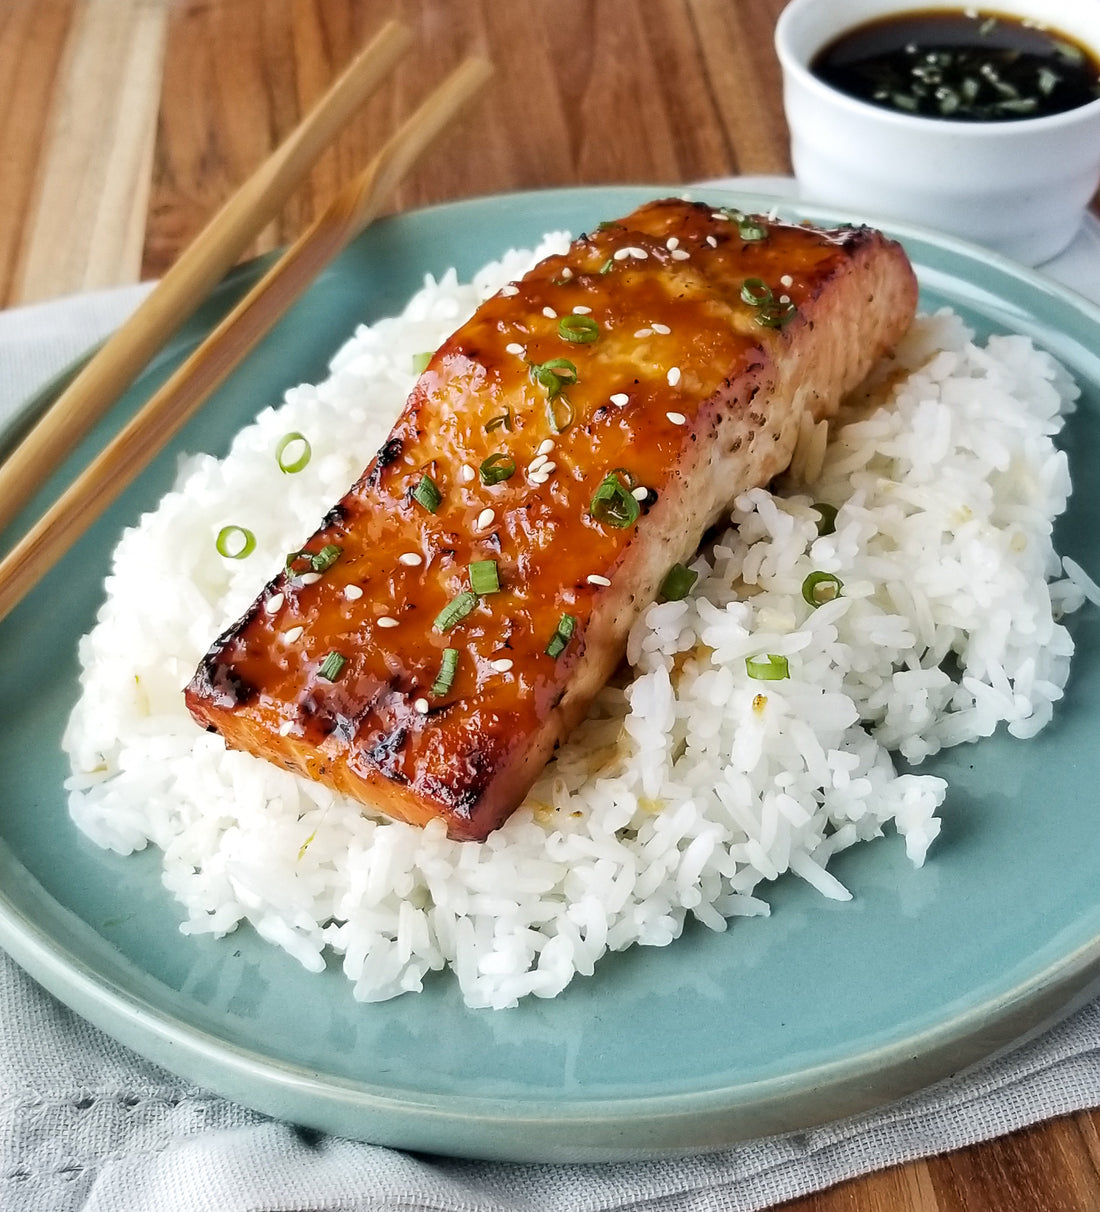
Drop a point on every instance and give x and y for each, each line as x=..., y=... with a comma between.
x=497, y=468
x=613, y=502
x=455, y=610
x=314, y=561
x=678, y=583
x=756, y=292
x=580, y=330
x=770, y=668
x=484, y=576
x=770, y=311
x=559, y=413
x=427, y=494
x=567, y=624
x=444, y=679
x=503, y=420
x=821, y=587
x=289, y=462
x=332, y=666
x=555, y=375
x=235, y=542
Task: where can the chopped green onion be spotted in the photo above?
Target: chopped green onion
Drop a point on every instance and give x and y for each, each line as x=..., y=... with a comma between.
x=821, y=587
x=420, y=362
x=291, y=465
x=580, y=330
x=607, y=266
x=555, y=375
x=505, y=419
x=316, y=561
x=776, y=314
x=678, y=583
x=770, y=668
x=496, y=468
x=446, y=675
x=235, y=542
x=614, y=503
x=332, y=666
x=484, y=577
x=750, y=229
x=427, y=494
x=326, y=557
x=559, y=413
x=455, y=610
x=567, y=624
x=756, y=292
x=827, y=524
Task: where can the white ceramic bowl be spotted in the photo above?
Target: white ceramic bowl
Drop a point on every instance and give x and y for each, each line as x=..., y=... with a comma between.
x=1019, y=187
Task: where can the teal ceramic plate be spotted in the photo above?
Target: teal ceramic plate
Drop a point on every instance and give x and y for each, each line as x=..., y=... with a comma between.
x=822, y=1010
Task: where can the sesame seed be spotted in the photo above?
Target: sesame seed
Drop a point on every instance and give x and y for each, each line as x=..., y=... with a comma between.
x=640, y=493
x=620, y=398
x=582, y=310
x=663, y=329
x=548, y=469
x=353, y=592
x=485, y=519
x=421, y=706
x=536, y=462
x=680, y=254
x=672, y=243
x=274, y=603
x=411, y=559
x=545, y=446
x=387, y=620
x=310, y=578
x=549, y=313
x=293, y=635
x=621, y=254
x=719, y=217
x=467, y=473
x=712, y=241
x=286, y=727
x=566, y=272
x=539, y=478
x=786, y=280
x=594, y=578
x=510, y=289
x=677, y=418
x=673, y=376
x=643, y=332
x=784, y=298
x=502, y=666
x=514, y=347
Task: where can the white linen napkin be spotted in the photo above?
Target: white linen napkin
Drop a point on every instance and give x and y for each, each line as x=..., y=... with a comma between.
x=87, y=1125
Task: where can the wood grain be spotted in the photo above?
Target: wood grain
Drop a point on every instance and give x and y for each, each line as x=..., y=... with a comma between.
x=664, y=91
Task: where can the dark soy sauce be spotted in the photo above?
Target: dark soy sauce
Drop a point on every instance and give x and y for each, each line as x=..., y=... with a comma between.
x=963, y=65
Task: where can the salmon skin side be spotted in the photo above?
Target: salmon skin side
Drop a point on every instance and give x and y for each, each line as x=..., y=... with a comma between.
x=456, y=612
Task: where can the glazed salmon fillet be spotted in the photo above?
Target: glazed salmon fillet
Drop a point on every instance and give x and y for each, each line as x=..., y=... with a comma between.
x=456, y=612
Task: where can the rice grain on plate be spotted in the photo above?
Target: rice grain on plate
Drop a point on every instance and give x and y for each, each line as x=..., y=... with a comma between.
x=751, y=736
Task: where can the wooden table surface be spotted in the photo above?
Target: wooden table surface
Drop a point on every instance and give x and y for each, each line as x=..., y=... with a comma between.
x=125, y=123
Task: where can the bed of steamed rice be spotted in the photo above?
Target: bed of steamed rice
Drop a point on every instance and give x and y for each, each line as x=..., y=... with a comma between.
x=691, y=784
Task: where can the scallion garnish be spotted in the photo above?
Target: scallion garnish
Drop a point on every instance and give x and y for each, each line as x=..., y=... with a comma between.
x=290, y=465
x=750, y=229
x=613, y=502
x=827, y=516
x=484, y=576
x=559, y=413
x=580, y=330
x=555, y=375
x=455, y=610
x=821, y=587
x=332, y=666
x=770, y=311
x=607, y=266
x=427, y=494
x=504, y=419
x=756, y=292
x=446, y=675
x=497, y=468
x=235, y=542
x=678, y=583
x=420, y=362
x=567, y=624
x=770, y=668
x=315, y=561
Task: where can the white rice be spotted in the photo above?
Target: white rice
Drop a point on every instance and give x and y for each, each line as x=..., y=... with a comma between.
x=692, y=784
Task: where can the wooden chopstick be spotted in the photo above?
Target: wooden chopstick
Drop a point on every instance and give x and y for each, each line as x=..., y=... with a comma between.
x=204, y=263
x=180, y=397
